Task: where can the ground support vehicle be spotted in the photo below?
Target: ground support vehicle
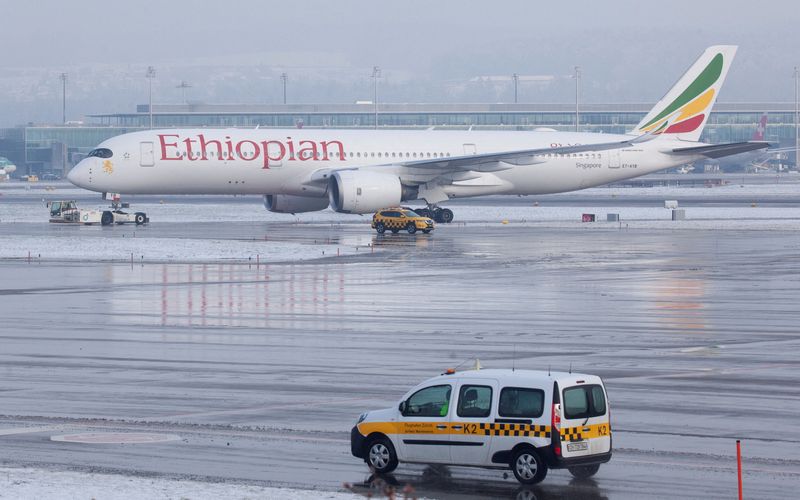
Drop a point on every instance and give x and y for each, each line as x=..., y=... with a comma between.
x=528, y=421
x=401, y=219
x=67, y=212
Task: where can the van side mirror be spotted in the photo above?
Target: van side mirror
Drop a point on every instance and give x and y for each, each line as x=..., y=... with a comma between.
x=403, y=407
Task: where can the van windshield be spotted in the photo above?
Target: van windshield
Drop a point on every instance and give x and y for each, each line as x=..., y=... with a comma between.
x=584, y=402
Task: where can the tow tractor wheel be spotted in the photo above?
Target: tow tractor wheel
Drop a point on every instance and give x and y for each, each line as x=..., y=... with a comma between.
x=380, y=228
x=381, y=456
x=584, y=471
x=411, y=228
x=528, y=467
x=107, y=218
x=140, y=218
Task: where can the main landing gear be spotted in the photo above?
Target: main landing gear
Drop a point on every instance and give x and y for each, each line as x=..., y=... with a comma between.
x=438, y=214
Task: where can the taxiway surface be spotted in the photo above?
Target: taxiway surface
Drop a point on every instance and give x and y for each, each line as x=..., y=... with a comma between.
x=261, y=370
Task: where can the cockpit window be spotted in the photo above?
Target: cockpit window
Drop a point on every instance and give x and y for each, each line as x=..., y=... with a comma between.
x=101, y=153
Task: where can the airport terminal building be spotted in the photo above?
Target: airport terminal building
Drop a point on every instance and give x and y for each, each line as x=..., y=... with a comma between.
x=54, y=149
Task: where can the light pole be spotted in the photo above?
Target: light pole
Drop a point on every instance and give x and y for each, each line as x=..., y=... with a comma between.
x=796, y=114
x=183, y=86
x=284, y=80
x=577, y=98
x=376, y=73
x=151, y=73
x=515, y=77
x=64, y=98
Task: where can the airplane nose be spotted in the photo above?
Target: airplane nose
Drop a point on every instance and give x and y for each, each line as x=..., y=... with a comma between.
x=80, y=175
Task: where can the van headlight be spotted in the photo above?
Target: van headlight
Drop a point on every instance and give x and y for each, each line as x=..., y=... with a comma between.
x=361, y=418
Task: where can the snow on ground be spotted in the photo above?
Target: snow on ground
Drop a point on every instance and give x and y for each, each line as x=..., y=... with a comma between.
x=28, y=483
x=118, y=249
x=21, y=207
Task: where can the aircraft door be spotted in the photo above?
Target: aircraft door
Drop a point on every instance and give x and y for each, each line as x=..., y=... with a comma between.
x=613, y=158
x=146, y=155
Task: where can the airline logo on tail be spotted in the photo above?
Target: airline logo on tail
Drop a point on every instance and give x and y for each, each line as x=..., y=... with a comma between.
x=685, y=108
x=758, y=135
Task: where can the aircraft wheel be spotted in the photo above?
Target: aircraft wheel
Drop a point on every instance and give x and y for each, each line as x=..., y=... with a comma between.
x=447, y=215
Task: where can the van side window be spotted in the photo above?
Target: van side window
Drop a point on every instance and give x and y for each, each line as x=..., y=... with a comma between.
x=474, y=401
x=429, y=402
x=584, y=402
x=517, y=402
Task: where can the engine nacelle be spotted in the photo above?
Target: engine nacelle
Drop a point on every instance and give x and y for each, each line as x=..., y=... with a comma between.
x=359, y=192
x=289, y=204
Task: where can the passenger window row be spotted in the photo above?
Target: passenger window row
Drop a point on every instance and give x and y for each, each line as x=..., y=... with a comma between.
x=475, y=401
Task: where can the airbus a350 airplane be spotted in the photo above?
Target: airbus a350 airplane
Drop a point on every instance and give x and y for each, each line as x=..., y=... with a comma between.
x=361, y=171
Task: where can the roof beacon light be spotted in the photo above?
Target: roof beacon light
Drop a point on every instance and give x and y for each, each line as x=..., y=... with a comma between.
x=450, y=371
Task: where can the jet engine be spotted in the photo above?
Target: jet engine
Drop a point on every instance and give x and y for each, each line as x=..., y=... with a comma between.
x=289, y=204
x=360, y=192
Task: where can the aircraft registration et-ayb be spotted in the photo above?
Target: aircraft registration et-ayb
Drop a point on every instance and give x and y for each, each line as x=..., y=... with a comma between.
x=361, y=171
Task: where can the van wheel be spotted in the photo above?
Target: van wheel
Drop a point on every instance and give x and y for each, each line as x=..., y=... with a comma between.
x=584, y=471
x=380, y=228
x=528, y=467
x=411, y=228
x=381, y=456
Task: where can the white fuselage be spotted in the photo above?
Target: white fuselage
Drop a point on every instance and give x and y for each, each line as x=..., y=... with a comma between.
x=283, y=161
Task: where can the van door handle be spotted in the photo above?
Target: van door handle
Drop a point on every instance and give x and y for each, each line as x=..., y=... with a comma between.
x=458, y=427
x=587, y=429
x=441, y=426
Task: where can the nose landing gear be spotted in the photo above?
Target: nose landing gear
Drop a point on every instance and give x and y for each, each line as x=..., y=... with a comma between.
x=438, y=214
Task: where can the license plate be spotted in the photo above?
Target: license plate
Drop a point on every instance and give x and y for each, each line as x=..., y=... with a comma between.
x=579, y=446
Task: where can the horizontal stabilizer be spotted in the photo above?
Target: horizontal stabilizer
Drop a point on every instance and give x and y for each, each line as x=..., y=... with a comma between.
x=721, y=150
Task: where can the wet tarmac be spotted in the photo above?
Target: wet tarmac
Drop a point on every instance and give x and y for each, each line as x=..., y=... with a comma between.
x=261, y=370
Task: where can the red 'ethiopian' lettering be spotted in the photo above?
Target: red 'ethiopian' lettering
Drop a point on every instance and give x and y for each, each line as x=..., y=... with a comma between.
x=175, y=147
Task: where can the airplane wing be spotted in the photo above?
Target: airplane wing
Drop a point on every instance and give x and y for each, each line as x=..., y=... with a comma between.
x=421, y=171
x=721, y=150
x=489, y=162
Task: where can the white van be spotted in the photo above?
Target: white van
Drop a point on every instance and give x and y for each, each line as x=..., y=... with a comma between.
x=526, y=420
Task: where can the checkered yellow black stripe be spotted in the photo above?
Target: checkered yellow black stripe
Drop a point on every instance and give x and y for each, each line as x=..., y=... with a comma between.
x=524, y=430
x=393, y=223
x=588, y=432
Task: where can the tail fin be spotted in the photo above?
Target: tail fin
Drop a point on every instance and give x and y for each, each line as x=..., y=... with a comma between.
x=761, y=130
x=683, y=111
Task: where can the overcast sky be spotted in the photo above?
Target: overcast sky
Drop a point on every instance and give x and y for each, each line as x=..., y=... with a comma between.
x=629, y=51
